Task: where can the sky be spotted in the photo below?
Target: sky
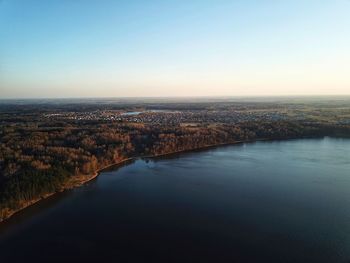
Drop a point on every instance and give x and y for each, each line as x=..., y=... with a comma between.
x=153, y=48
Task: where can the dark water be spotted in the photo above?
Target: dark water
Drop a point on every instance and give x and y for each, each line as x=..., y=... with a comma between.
x=261, y=202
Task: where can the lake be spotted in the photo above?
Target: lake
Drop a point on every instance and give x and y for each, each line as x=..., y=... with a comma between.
x=280, y=201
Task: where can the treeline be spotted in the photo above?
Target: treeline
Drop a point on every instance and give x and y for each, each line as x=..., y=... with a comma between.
x=38, y=158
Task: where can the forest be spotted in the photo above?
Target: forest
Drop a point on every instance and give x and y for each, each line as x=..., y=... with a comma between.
x=40, y=156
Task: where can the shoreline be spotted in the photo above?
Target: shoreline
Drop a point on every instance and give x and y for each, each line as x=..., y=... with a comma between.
x=77, y=181
x=73, y=182
x=206, y=147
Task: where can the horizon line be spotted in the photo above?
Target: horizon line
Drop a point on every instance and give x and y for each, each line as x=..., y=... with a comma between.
x=180, y=97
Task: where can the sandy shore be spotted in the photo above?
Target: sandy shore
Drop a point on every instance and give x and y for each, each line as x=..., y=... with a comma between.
x=73, y=182
x=76, y=181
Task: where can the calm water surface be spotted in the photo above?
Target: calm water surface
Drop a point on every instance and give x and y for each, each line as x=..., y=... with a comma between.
x=286, y=201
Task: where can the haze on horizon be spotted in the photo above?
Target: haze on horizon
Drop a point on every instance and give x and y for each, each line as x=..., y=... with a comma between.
x=173, y=48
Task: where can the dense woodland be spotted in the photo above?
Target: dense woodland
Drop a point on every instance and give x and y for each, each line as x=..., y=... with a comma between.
x=39, y=156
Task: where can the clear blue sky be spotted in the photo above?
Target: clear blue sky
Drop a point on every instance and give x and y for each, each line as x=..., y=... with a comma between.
x=173, y=48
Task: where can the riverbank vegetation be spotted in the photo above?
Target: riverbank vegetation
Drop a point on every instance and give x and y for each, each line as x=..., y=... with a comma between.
x=40, y=155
